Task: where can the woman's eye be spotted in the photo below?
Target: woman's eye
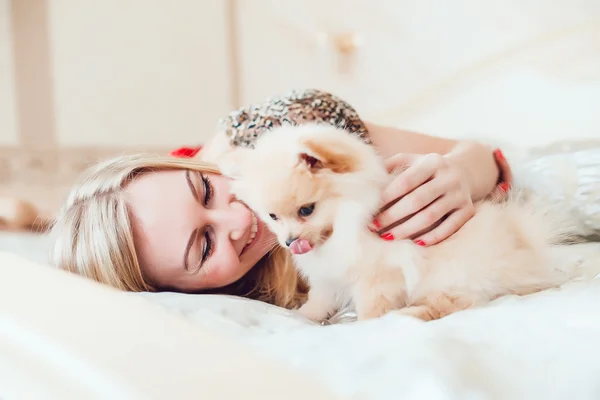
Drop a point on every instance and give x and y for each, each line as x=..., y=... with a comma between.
x=306, y=210
x=208, y=189
x=273, y=217
x=207, y=248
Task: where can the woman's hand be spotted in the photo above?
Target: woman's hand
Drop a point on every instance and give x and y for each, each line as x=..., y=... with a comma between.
x=428, y=200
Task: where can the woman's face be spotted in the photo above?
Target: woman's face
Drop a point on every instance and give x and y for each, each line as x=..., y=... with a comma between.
x=191, y=233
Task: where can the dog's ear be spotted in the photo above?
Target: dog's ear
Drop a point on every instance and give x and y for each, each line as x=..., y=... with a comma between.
x=331, y=155
x=311, y=161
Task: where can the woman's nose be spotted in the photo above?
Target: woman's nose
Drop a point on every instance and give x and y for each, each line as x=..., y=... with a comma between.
x=236, y=219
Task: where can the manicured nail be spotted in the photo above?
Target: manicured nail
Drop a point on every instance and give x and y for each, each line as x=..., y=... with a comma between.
x=420, y=243
x=376, y=224
x=499, y=155
x=504, y=186
x=387, y=236
x=185, y=152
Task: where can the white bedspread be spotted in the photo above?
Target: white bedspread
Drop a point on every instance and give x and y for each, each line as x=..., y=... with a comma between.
x=543, y=346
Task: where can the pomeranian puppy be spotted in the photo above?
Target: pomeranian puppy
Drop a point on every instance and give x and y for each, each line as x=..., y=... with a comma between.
x=317, y=188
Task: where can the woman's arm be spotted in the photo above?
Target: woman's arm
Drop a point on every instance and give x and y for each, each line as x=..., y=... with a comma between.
x=433, y=197
x=475, y=160
x=391, y=141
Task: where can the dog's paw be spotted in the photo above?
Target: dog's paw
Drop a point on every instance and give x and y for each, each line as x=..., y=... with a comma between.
x=375, y=309
x=313, y=311
x=420, y=312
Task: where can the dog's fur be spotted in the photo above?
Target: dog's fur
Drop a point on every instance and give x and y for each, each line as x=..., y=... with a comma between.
x=503, y=249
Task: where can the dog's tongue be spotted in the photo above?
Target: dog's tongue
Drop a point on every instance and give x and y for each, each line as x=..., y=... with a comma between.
x=300, y=246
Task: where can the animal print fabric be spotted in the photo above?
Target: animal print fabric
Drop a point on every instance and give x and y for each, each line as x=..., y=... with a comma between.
x=245, y=125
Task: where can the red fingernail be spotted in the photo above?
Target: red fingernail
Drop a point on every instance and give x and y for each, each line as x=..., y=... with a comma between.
x=185, y=152
x=504, y=186
x=420, y=243
x=376, y=224
x=499, y=155
x=387, y=236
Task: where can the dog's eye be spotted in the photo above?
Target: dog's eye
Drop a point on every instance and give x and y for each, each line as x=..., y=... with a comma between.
x=273, y=217
x=306, y=210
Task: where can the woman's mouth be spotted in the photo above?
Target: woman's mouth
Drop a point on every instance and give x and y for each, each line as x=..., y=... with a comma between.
x=254, y=233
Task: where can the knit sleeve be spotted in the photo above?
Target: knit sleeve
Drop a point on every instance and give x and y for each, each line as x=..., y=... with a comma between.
x=245, y=125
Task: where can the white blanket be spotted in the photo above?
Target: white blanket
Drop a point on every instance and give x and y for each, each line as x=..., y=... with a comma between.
x=542, y=346
x=537, y=347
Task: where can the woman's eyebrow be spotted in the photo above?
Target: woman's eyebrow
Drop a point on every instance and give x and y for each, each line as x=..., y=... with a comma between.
x=191, y=185
x=189, y=245
x=193, y=235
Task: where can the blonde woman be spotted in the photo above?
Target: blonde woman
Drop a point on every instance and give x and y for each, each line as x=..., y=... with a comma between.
x=151, y=223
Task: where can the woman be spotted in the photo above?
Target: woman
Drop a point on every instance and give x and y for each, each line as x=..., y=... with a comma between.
x=147, y=223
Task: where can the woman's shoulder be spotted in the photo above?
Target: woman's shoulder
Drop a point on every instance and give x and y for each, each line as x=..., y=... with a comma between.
x=242, y=127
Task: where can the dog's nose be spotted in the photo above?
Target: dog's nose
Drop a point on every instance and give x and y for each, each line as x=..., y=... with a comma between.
x=290, y=241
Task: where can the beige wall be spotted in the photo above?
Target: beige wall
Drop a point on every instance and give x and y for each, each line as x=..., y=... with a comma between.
x=82, y=80
x=86, y=79
x=139, y=72
x=525, y=71
x=32, y=55
x=156, y=74
x=8, y=120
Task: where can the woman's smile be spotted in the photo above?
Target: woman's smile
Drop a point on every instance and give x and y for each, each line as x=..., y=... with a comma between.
x=255, y=231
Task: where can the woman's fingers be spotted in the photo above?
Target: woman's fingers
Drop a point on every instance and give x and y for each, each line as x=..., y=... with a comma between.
x=505, y=171
x=413, y=176
x=506, y=177
x=414, y=201
x=427, y=201
x=447, y=228
x=400, y=161
x=424, y=219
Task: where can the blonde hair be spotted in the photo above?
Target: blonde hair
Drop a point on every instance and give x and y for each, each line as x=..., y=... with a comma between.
x=93, y=236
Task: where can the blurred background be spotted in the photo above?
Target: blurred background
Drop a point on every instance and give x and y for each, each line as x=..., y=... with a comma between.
x=82, y=80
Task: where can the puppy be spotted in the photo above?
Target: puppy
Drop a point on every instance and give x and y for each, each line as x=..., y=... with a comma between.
x=317, y=187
